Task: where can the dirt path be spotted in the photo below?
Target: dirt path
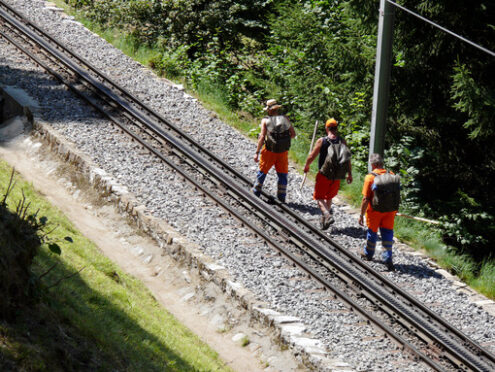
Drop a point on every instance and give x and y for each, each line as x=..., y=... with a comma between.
x=111, y=233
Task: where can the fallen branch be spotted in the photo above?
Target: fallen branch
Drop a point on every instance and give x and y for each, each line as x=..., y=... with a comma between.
x=66, y=277
x=46, y=272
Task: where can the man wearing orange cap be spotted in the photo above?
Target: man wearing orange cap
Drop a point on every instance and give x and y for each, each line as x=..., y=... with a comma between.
x=275, y=137
x=326, y=189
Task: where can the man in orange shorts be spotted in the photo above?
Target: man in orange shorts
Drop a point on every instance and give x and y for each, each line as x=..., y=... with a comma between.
x=374, y=219
x=326, y=189
x=276, y=134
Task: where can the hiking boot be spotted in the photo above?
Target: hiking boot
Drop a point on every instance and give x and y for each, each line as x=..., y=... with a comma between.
x=365, y=257
x=390, y=265
x=270, y=200
x=326, y=221
x=322, y=222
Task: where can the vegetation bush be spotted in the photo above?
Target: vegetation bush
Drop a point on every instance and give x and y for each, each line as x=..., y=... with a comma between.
x=317, y=58
x=22, y=234
x=86, y=314
x=19, y=242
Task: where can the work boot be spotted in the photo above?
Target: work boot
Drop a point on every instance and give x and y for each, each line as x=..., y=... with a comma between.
x=322, y=222
x=365, y=257
x=390, y=265
x=327, y=220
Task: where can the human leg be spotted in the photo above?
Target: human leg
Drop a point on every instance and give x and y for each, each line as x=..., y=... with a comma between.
x=324, y=206
x=282, y=168
x=369, y=249
x=372, y=222
x=282, y=186
x=258, y=184
x=326, y=214
x=387, y=233
x=267, y=159
x=387, y=243
x=325, y=191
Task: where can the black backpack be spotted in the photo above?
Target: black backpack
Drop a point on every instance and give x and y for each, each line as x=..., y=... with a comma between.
x=336, y=164
x=386, y=189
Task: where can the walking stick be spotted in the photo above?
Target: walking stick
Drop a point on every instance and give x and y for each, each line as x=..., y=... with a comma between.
x=310, y=149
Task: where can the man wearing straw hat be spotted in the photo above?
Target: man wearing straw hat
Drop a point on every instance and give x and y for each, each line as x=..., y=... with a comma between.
x=326, y=189
x=273, y=149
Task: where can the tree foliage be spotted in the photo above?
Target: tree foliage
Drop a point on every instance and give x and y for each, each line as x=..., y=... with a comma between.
x=317, y=57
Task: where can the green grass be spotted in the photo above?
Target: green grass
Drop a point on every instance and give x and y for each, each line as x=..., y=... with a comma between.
x=417, y=234
x=99, y=318
x=213, y=98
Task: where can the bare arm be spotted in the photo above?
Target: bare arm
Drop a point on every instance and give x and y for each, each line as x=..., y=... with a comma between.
x=261, y=140
x=292, y=131
x=349, y=173
x=364, y=206
x=312, y=155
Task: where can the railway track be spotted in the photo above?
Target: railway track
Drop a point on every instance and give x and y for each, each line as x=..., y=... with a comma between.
x=405, y=320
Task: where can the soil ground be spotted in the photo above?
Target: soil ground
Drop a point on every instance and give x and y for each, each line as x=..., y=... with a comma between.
x=112, y=234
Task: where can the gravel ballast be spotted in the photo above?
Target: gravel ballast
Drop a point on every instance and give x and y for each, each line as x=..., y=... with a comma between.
x=246, y=257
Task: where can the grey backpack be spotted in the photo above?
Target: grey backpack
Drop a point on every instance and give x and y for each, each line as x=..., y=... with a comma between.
x=278, y=134
x=336, y=164
x=386, y=189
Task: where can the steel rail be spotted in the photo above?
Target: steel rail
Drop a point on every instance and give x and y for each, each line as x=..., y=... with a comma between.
x=177, y=145
x=199, y=185
x=186, y=151
x=286, y=209
x=263, y=208
x=432, y=315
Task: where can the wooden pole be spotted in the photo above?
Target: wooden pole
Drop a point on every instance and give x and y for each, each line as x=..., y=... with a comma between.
x=310, y=149
x=418, y=218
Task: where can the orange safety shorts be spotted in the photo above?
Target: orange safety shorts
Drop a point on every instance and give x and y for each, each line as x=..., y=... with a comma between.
x=324, y=188
x=375, y=219
x=268, y=159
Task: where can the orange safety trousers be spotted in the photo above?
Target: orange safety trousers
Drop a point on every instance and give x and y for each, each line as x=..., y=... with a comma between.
x=375, y=219
x=269, y=159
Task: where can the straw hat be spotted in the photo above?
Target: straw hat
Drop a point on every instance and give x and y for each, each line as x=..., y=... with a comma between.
x=271, y=104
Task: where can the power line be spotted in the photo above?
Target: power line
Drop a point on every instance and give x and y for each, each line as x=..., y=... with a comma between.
x=442, y=28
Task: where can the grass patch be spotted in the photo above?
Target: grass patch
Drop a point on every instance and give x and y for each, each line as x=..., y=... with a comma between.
x=213, y=97
x=98, y=318
x=352, y=192
x=485, y=282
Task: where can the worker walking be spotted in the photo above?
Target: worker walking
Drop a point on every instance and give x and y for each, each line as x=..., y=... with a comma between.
x=381, y=198
x=334, y=163
x=275, y=138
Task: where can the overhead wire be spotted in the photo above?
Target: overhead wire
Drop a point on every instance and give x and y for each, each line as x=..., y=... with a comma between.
x=442, y=28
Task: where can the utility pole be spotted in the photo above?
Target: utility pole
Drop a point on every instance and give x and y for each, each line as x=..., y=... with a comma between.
x=382, y=77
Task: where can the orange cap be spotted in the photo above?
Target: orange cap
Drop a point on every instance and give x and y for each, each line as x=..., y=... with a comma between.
x=331, y=123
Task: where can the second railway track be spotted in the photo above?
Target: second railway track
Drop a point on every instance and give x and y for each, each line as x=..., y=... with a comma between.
x=424, y=334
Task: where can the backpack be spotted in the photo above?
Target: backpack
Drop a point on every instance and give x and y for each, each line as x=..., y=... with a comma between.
x=336, y=164
x=278, y=134
x=386, y=189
